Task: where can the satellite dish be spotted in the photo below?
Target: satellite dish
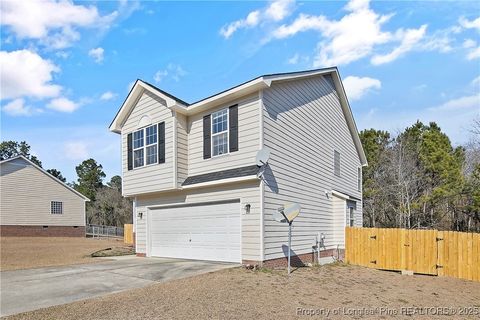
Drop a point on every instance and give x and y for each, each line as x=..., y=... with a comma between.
x=291, y=211
x=279, y=217
x=287, y=213
x=262, y=157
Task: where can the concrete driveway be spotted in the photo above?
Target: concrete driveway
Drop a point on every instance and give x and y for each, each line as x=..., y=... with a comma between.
x=27, y=290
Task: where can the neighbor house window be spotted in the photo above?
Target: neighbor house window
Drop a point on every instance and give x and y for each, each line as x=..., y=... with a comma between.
x=351, y=217
x=220, y=132
x=359, y=179
x=336, y=162
x=145, y=146
x=56, y=207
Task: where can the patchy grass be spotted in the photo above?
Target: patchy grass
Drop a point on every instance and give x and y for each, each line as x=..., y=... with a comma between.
x=239, y=293
x=35, y=252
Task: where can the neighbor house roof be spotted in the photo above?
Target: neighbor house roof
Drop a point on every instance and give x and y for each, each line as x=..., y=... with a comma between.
x=248, y=87
x=46, y=173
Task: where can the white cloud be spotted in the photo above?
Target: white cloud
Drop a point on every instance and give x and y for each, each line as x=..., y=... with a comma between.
x=357, y=87
x=275, y=11
x=467, y=102
x=97, y=54
x=108, y=95
x=293, y=59
x=159, y=75
x=474, y=53
x=17, y=107
x=175, y=71
x=25, y=73
x=76, y=151
x=53, y=23
x=409, y=38
x=470, y=24
x=475, y=82
x=279, y=10
x=346, y=40
x=250, y=21
x=469, y=43
x=63, y=105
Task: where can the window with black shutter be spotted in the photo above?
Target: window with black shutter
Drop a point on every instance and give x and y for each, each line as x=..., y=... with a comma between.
x=161, y=142
x=207, y=142
x=233, y=128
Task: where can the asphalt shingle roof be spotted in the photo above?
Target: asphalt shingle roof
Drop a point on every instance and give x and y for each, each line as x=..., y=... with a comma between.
x=220, y=175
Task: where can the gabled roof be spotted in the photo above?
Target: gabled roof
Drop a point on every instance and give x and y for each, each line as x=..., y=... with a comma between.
x=47, y=174
x=237, y=91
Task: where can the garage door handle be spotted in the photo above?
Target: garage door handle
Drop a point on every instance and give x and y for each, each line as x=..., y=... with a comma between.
x=189, y=240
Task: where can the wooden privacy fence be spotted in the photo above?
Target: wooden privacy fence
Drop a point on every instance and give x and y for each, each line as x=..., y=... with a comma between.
x=128, y=233
x=442, y=253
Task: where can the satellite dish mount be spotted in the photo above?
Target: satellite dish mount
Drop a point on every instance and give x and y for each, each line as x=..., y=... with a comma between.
x=262, y=160
x=287, y=214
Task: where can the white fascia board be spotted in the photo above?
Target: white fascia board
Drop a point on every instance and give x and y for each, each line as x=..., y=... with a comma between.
x=347, y=111
x=270, y=79
x=219, y=182
x=224, y=97
x=136, y=92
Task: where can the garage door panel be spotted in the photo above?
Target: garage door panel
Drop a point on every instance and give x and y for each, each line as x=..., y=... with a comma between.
x=205, y=232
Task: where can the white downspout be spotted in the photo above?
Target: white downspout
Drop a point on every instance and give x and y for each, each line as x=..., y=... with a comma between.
x=262, y=184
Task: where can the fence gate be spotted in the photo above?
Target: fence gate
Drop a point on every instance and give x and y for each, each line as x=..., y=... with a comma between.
x=443, y=253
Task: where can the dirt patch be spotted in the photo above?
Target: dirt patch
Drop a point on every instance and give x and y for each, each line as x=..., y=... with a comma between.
x=269, y=294
x=36, y=252
x=113, y=252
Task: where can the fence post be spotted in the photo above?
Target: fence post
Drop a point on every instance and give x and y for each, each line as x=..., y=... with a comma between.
x=440, y=253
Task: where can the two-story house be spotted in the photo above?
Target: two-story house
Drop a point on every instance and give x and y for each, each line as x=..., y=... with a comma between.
x=198, y=192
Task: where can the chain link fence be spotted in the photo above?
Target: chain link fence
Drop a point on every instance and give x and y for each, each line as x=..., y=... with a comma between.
x=95, y=230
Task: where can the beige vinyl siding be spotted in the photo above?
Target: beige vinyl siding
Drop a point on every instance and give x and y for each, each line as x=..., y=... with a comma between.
x=248, y=139
x=247, y=192
x=182, y=148
x=26, y=193
x=303, y=125
x=339, y=209
x=154, y=177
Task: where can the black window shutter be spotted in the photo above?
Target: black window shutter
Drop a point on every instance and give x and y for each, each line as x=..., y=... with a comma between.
x=233, y=130
x=207, y=140
x=130, y=151
x=161, y=142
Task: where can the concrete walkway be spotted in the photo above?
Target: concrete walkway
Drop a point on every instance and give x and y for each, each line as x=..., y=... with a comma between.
x=27, y=290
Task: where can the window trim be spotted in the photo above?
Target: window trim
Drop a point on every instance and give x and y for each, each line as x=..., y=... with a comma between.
x=144, y=147
x=219, y=133
x=51, y=207
x=339, y=163
x=359, y=178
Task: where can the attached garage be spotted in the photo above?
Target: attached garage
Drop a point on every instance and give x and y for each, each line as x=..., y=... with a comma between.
x=204, y=231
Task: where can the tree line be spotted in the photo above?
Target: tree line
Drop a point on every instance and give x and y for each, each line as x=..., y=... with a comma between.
x=106, y=205
x=417, y=179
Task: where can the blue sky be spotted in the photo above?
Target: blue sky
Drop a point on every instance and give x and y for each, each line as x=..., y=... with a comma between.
x=66, y=67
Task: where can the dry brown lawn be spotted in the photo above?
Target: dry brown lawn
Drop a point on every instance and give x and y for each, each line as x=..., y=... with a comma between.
x=34, y=252
x=242, y=294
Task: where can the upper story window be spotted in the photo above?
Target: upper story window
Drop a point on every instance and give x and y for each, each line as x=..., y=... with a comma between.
x=220, y=132
x=145, y=146
x=336, y=163
x=56, y=207
x=359, y=179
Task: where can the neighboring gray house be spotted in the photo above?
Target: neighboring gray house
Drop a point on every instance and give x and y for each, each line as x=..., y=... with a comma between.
x=35, y=203
x=191, y=169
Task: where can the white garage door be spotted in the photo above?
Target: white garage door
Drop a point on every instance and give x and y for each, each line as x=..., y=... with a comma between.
x=201, y=232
